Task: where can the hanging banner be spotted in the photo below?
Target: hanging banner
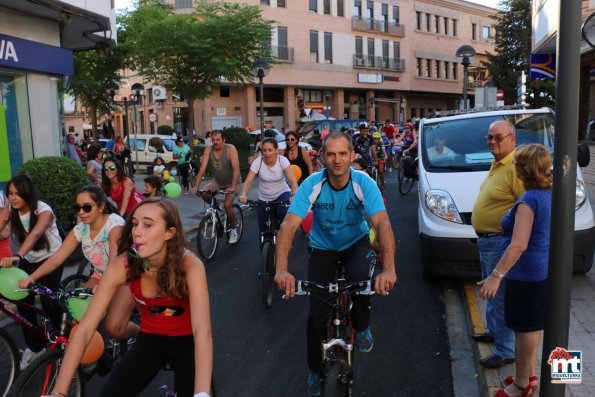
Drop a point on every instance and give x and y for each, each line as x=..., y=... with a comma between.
x=543, y=66
x=5, y=171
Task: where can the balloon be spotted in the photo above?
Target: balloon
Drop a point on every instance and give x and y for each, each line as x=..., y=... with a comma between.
x=166, y=175
x=159, y=169
x=174, y=172
x=296, y=171
x=173, y=189
x=94, y=349
x=9, y=281
x=172, y=179
x=77, y=306
x=372, y=235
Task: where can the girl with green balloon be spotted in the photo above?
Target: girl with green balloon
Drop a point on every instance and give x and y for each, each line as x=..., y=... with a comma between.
x=33, y=226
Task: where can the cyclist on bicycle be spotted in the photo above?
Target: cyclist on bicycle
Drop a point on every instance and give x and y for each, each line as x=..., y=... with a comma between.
x=381, y=156
x=339, y=198
x=363, y=144
x=223, y=158
x=409, y=139
x=180, y=153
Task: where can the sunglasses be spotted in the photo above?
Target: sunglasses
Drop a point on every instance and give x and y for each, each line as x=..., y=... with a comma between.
x=85, y=207
x=497, y=138
x=291, y=139
x=110, y=168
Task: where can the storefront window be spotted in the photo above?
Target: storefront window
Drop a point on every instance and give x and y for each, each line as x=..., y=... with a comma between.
x=16, y=145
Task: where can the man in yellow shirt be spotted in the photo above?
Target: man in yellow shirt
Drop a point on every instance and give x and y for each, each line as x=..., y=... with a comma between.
x=497, y=194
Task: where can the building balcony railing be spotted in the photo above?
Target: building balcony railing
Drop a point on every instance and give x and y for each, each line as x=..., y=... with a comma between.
x=373, y=62
x=283, y=54
x=378, y=26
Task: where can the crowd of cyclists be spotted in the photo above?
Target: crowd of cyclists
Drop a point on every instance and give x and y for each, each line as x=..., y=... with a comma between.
x=137, y=248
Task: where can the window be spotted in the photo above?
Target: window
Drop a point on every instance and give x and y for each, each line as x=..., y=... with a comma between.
x=473, y=31
x=183, y=3
x=326, y=6
x=396, y=49
x=446, y=70
x=359, y=45
x=485, y=33
x=396, y=15
x=312, y=95
x=437, y=23
x=281, y=3
x=455, y=70
x=385, y=49
x=384, y=18
x=418, y=20
x=357, y=9
x=437, y=69
x=313, y=46
x=340, y=8
x=313, y=5
x=418, y=67
x=371, y=52
x=265, y=2
x=282, y=49
x=328, y=47
x=454, y=27
x=428, y=22
x=224, y=92
x=445, y=25
x=428, y=68
x=370, y=15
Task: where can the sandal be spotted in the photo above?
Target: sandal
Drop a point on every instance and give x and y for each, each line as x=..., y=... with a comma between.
x=527, y=391
x=533, y=381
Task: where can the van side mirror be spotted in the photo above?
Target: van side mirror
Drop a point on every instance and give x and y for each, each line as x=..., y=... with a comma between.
x=584, y=155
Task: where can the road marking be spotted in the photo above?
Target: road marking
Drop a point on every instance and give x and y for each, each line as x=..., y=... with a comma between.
x=476, y=319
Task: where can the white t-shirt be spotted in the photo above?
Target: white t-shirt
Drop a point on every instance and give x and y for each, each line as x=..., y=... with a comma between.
x=51, y=233
x=97, y=250
x=271, y=183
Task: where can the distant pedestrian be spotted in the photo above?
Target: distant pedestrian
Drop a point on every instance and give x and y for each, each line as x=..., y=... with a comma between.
x=524, y=265
x=71, y=151
x=181, y=153
x=94, y=165
x=497, y=194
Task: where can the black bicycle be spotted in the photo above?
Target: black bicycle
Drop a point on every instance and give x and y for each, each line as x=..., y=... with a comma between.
x=407, y=174
x=268, y=238
x=337, y=348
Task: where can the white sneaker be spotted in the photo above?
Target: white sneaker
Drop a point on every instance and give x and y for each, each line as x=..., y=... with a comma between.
x=28, y=356
x=233, y=236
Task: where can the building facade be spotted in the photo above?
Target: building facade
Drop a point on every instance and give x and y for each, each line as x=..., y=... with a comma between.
x=36, y=44
x=375, y=60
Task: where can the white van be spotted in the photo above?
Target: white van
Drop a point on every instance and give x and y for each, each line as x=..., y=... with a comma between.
x=149, y=146
x=449, y=185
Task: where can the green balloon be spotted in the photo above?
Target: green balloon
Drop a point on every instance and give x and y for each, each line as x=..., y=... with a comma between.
x=173, y=189
x=9, y=282
x=77, y=306
x=172, y=179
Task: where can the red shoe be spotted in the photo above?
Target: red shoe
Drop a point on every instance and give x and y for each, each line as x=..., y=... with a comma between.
x=527, y=391
x=533, y=381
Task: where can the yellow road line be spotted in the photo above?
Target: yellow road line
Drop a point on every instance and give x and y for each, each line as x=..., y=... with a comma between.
x=476, y=319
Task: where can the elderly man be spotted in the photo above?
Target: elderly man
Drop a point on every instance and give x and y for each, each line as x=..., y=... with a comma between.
x=497, y=194
x=71, y=151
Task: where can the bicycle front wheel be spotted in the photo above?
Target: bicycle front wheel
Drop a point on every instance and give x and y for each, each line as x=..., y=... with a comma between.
x=41, y=375
x=237, y=211
x=207, y=238
x=8, y=362
x=335, y=382
x=405, y=184
x=267, y=273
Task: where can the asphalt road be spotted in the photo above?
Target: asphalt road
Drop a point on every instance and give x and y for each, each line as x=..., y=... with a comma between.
x=262, y=352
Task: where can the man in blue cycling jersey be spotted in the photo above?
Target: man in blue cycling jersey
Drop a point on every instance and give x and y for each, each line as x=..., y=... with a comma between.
x=339, y=197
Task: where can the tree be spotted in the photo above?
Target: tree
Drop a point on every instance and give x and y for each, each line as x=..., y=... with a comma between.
x=192, y=53
x=512, y=45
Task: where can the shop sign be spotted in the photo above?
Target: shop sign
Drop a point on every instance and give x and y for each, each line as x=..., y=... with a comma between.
x=375, y=78
x=221, y=111
x=30, y=55
x=392, y=78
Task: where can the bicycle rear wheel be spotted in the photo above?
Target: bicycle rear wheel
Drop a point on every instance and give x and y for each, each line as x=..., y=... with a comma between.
x=237, y=211
x=207, y=238
x=74, y=281
x=9, y=364
x=336, y=383
x=41, y=375
x=267, y=273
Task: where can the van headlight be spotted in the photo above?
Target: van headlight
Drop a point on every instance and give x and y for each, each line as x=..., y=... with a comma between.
x=441, y=204
x=581, y=195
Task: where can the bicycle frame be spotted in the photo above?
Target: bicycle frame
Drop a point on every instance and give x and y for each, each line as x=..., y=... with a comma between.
x=15, y=315
x=216, y=211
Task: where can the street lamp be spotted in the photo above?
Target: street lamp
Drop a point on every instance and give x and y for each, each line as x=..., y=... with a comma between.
x=327, y=98
x=261, y=68
x=465, y=52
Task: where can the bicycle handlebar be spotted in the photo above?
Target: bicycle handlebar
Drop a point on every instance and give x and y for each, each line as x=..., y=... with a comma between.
x=285, y=203
x=305, y=287
x=39, y=289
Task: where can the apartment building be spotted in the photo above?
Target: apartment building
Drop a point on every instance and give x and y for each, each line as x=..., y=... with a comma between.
x=364, y=59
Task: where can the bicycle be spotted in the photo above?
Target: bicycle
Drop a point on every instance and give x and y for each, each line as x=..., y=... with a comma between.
x=268, y=238
x=214, y=224
x=407, y=174
x=337, y=348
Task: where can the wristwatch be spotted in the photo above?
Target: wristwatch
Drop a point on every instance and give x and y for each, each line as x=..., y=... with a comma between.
x=497, y=274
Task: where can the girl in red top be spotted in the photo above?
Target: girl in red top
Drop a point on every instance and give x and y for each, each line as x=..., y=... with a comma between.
x=169, y=286
x=119, y=187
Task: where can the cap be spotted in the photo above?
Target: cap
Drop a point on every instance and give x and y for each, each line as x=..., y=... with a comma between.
x=410, y=125
x=362, y=125
x=313, y=152
x=377, y=135
x=383, y=134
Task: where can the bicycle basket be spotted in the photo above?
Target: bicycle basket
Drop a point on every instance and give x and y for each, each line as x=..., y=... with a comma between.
x=409, y=167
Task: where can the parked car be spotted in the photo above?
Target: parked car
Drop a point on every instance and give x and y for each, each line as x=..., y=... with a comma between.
x=149, y=146
x=448, y=188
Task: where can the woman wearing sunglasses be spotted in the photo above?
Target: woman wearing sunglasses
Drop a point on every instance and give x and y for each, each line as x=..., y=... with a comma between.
x=297, y=155
x=33, y=226
x=119, y=187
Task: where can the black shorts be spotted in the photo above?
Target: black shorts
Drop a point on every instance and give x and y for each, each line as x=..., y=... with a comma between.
x=524, y=305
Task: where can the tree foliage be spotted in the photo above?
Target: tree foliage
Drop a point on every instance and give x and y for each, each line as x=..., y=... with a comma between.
x=512, y=45
x=191, y=53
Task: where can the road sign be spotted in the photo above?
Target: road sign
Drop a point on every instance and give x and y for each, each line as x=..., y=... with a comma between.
x=500, y=94
x=152, y=117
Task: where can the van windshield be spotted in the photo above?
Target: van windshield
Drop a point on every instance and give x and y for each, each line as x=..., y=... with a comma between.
x=460, y=145
x=309, y=127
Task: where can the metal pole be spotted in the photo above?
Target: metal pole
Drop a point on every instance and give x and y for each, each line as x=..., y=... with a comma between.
x=134, y=130
x=465, y=71
x=261, y=103
x=557, y=308
x=126, y=118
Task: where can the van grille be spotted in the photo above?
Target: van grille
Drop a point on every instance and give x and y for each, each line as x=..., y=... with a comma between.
x=466, y=218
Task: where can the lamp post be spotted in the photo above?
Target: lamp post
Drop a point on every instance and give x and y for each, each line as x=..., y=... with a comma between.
x=261, y=68
x=327, y=98
x=465, y=52
x=137, y=92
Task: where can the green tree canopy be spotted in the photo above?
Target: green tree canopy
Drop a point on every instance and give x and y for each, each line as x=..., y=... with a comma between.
x=192, y=53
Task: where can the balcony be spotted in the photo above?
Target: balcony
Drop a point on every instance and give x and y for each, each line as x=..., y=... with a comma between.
x=283, y=54
x=379, y=63
x=378, y=26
